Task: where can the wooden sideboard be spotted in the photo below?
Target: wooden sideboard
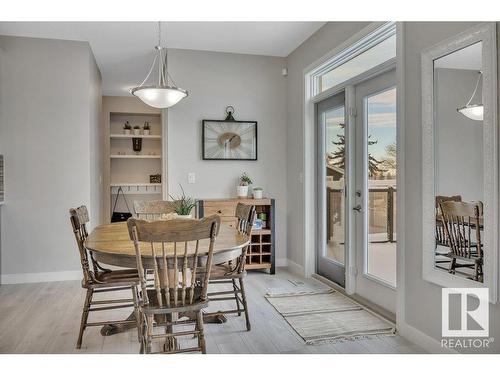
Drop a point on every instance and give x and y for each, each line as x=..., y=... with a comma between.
x=260, y=255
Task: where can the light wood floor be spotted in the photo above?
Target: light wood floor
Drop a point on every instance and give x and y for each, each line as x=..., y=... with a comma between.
x=45, y=317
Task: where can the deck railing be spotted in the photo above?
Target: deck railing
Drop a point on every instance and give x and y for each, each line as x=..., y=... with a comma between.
x=381, y=211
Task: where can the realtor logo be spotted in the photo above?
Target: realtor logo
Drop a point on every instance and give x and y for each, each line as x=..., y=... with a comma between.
x=465, y=312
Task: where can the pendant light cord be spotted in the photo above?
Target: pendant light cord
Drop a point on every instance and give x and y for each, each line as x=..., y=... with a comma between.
x=475, y=88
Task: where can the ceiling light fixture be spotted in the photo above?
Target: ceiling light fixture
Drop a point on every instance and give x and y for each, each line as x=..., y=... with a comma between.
x=473, y=111
x=162, y=95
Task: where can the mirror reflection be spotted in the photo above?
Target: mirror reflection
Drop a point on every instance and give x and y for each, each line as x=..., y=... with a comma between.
x=458, y=134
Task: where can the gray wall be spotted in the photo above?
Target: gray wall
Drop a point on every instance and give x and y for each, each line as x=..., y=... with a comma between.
x=45, y=135
x=453, y=88
x=255, y=87
x=423, y=299
x=323, y=41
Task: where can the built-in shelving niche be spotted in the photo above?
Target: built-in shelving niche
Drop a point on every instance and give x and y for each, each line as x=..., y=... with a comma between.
x=131, y=170
x=2, y=194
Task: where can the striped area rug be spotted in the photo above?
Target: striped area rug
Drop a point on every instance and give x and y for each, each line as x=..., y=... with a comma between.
x=328, y=316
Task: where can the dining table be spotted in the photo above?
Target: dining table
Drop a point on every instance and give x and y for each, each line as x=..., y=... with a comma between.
x=111, y=244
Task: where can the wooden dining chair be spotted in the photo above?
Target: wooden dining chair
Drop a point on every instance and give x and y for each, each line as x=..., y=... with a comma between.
x=461, y=222
x=153, y=210
x=440, y=234
x=97, y=279
x=181, y=253
x=229, y=273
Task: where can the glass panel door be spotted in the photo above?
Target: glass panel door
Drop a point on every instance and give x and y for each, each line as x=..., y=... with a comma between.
x=331, y=173
x=376, y=191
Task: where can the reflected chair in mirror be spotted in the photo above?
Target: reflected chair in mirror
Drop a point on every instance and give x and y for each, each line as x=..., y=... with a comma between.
x=234, y=272
x=441, y=244
x=153, y=210
x=462, y=227
x=180, y=253
x=97, y=279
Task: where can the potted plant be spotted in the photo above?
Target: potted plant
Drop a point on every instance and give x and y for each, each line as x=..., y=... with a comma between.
x=137, y=130
x=146, y=129
x=183, y=205
x=127, y=128
x=257, y=193
x=245, y=180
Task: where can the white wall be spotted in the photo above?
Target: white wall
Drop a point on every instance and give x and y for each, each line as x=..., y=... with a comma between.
x=45, y=134
x=423, y=299
x=254, y=86
x=453, y=89
x=323, y=41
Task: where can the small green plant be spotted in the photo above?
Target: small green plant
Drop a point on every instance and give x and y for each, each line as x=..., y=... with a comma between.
x=137, y=127
x=146, y=126
x=127, y=126
x=183, y=204
x=245, y=179
x=257, y=188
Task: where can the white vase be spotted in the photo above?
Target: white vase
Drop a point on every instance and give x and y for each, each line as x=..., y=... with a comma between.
x=183, y=216
x=257, y=194
x=137, y=131
x=145, y=132
x=126, y=131
x=242, y=191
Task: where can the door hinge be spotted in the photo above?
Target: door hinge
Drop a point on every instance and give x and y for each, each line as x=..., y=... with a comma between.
x=353, y=112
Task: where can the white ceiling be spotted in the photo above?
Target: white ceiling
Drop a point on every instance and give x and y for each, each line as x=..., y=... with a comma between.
x=123, y=50
x=468, y=58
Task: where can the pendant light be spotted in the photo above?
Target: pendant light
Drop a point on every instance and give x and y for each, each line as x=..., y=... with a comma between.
x=162, y=95
x=473, y=111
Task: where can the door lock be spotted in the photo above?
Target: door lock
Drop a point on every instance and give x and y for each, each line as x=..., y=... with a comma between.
x=357, y=208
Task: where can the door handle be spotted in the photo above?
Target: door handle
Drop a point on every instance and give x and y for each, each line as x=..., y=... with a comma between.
x=357, y=208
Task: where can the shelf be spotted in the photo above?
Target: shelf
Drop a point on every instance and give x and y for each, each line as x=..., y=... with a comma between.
x=135, y=156
x=133, y=184
x=261, y=231
x=263, y=265
x=129, y=136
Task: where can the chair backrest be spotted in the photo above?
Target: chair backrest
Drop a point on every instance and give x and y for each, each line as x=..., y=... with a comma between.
x=79, y=218
x=181, y=267
x=246, y=215
x=440, y=234
x=153, y=210
x=462, y=227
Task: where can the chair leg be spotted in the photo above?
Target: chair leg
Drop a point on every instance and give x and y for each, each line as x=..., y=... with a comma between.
x=201, y=335
x=85, y=316
x=453, y=263
x=235, y=288
x=245, y=305
x=149, y=333
x=137, y=312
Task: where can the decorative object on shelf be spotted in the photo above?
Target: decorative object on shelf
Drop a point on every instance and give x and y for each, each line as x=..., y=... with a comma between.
x=146, y=129
x=161, y=95
x=257, y=192
x=229, y=139
x=118, y=216
x=257, y=224
x=473, y=111
x=263, y=218
x=127, y=128
x=183, y=205
x=242, y=188
x=155, y=178
x=137, y=130
x=137, y=144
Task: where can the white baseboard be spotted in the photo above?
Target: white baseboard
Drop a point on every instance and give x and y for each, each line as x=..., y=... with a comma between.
x=281, y=262
x=295, y=268
x=41, y=277
x=428, y=343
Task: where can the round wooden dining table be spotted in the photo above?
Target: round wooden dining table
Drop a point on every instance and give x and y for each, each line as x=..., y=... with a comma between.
x=111, y=244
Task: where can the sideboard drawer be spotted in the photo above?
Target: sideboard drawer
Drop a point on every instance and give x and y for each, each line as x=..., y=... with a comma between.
x=219, y=208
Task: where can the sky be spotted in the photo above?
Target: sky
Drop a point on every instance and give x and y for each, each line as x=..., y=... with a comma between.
x=381, y=122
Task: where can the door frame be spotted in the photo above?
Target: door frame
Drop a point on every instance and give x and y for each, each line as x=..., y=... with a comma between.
x=309, y=160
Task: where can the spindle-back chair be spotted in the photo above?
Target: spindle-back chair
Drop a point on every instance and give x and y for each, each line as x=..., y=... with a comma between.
x=97, y=279
x=228, y=273
x=153, y=210
x=461, y=222
x=181, y=252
